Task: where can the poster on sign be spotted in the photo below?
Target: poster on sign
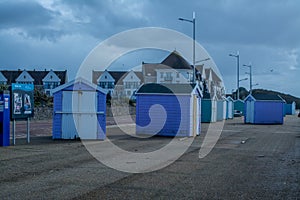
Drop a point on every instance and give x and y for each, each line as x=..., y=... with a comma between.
x=22, y=101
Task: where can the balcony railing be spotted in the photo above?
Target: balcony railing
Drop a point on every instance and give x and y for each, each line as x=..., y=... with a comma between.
x=168, y=78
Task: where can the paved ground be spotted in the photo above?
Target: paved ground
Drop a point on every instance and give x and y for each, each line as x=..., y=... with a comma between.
x=265, y=166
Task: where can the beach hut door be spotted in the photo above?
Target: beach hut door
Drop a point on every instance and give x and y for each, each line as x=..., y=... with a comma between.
x=195, y=120
x=250, y=112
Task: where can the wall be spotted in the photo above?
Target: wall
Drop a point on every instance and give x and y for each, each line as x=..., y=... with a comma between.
x=220, y=110
x=178, y=117
x=239, y=105
x=267, y=112
x=57, y=118
x=206, y=109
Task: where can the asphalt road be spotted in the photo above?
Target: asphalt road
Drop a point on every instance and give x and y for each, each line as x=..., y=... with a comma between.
x=248, y=162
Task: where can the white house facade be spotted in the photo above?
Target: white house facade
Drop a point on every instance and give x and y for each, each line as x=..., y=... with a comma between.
x=3, y=80
x=24, y=78
x=107, y=82
x=118, y=83
x=131, y=83
x=50, y=82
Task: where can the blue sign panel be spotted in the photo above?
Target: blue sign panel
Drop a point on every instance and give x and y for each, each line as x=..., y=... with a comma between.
x=22, y=100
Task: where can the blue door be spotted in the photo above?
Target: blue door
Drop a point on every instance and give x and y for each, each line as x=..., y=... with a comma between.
x=250, y=111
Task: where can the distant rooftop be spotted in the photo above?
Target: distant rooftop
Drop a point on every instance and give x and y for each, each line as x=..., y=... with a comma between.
x=266, y=97
x=155, y=88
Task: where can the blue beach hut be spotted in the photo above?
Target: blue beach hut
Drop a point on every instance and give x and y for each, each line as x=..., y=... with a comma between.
x=168, y=110
x=224, y=108
x=290, y=108
x=229, y=110
x=263, y=109
x=220, y=110
x=208, y=108
x=239, y=106
x=79, y=111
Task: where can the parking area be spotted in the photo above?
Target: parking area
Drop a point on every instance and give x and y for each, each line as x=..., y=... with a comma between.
x=248, y=162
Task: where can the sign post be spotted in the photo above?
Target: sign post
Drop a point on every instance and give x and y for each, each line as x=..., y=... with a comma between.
x=22, y=105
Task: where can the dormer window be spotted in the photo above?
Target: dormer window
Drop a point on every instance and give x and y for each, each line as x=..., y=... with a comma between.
x=24, y=77
x=51, y=77
x=105, y=77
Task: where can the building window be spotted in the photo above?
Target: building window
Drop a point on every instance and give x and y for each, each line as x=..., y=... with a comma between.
x=168, y=76
x=106, y=85
x=161, y=75
x=50, y=85
x=177, y=75
x=131, y=85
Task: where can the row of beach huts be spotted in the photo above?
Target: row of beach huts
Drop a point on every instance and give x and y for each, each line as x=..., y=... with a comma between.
x=161, y=109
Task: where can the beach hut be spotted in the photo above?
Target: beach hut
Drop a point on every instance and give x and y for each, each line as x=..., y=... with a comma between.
x=263, y=109
x=290, y=108
x=224, y=108
x=239, y=106
x=208, y=108
x=220, y=110
x=230, y=110
x=79, y=111
x=284, y=109
x=168, y=110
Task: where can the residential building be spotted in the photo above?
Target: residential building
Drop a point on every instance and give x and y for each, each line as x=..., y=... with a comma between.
x=24, y=78
x=50, y=81
x=45, y=80
x=174, y=69
x=118, y=83
x=3, y=80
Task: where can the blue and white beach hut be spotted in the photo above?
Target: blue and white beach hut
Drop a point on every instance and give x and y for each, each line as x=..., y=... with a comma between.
x=264, y=109
x=168, y=110
x=290, y=108
x=230, y=110
x=79, y=111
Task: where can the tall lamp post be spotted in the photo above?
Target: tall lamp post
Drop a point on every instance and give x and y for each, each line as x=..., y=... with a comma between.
x=250, y=74
x=193, y=21
x=237, y=56
x=199, y=61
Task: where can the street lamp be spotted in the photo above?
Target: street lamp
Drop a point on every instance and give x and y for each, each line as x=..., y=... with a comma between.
x=198, y=61
x=237, y=56
x=193, y=21
x=244, y=79
x=250, y=66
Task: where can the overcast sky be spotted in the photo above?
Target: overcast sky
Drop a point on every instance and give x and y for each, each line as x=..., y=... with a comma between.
x=59, y=34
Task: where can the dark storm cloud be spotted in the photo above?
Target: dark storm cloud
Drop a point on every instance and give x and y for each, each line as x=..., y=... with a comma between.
x=104, y=18
x=23, y=14
x=266, y=33
x=225, y=21
x=29, y=19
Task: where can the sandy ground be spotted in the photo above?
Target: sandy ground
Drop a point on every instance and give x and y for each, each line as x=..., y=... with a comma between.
x=248, y=162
